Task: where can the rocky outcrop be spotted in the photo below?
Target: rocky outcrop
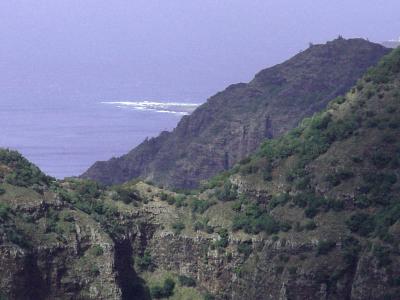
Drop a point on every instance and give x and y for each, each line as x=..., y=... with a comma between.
x=233, y=123
x=50, y=251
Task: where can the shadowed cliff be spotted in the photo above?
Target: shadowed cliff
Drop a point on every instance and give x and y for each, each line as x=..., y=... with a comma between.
x=233, y=123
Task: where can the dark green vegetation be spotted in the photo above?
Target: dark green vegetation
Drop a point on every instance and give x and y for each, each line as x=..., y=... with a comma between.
x=312, y=214
x=233, y=123
x=23, y=173
x=164, y=291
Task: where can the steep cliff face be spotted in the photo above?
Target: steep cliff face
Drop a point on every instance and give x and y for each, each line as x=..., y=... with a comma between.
x=48, y=249
x=233, y=123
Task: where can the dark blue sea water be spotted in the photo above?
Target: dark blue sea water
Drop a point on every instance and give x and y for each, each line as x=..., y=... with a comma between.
x=65, y=138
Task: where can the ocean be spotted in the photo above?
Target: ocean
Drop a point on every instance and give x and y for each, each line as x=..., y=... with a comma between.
x=65, y=138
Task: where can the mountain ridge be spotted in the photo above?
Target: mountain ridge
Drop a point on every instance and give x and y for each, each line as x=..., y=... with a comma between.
x=232, y=123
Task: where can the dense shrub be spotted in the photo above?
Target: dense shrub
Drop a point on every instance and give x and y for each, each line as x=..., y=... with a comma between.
x=385, y=218
x=178, y=227
x=145, y=262
x=311, y=212
x=382, y=254
x=325, y=247
x=245, y=248
x=228, y=192
x=362, y=201
x=332, y=204
x=218, y=180
x=165, y=291
x=267, y=172
x=180, y=201
x=279, y=199
x=87, y=188
x=250, y=168
x=254, y=220
x=200, y=206
x=285, y=226
x=27, y=175
x=292, y=270
x=237, y=206
x=387, y=68
x=361, y=223
x=223, y=238
x=350, y=250
x=126, y=195
x=303, y=183
x=309, y=199
x=310, y=225
x=202, y=225
x=208, y=296
x=23, y=172
x=171, y=200
x=380, y=158
x=4, y=211
x=17, y=237
x=377, y=186
x=186, y=281
x=311, y=139
x=163, y=196
x=52, y=220
x=335, y=178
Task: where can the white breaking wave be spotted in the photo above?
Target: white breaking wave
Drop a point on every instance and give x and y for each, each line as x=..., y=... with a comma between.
x=160, y=107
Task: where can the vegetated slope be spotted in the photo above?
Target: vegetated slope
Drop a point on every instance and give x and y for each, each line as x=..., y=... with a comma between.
x=329, y=194
x=233, y=123
x=48, y=249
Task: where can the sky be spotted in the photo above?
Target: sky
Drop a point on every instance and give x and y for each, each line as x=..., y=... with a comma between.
x=175, y=50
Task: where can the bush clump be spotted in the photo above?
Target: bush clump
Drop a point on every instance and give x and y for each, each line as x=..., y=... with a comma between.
x=279, y=200
x=145, y=262
x=254, y=220
x=350, y=250
x=223, y=238
x=228, y=192
x=165, y=291
x=245, y=248
x=126, y=195
x=178, y=227
x=382, y=254
x=180, y=201
x=186, y=281
x=200, y=206
x=4, y=211
x=361, y=223
x=202, y=225
x=325, y=247
x=336, y=178
x=310, y=225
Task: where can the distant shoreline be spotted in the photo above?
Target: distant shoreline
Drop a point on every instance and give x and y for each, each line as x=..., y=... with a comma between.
x=178, y=108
